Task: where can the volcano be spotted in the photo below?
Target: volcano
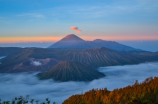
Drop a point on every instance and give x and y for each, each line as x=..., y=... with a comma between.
x=69, y=41
x=71, y=71
x=74, y=42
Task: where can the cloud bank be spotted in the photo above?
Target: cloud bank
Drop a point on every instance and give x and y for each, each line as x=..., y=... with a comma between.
x=14, y=85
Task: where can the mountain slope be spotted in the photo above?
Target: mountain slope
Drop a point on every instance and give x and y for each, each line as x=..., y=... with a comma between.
x=94, y=58
x=17, y=57
x=97, y=57
x=22, y=62
x=71, y=71
x=5, y=51
x=112, y=45
x=68, y=41
x=73, y=41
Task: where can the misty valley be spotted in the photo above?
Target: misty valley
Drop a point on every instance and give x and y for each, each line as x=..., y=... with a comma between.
x=72, y=67
x=14, y=85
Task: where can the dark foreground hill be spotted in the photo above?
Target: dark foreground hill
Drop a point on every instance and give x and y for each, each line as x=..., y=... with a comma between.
x=139, y=93
x=71, y=71
x=73, y=41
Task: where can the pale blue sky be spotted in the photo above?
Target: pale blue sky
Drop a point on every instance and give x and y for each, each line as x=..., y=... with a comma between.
x=55, y=17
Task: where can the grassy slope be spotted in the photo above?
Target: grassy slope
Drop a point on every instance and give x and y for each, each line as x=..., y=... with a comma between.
x=15, y=58
x=71, y=71
x=98, y=57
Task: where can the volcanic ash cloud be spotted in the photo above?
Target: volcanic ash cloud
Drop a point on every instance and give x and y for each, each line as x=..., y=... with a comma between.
x=36, y=63
x=76, y=29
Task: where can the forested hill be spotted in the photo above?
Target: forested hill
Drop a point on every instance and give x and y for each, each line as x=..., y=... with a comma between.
x=139, y=93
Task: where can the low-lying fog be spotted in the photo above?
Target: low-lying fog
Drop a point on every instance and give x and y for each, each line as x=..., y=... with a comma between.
x=1, y=58
x=14, y=85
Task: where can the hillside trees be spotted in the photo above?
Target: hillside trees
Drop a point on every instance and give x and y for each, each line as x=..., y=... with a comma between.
x=138, y=93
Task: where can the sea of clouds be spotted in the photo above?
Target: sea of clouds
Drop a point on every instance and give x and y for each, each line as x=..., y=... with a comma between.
x=14, y=85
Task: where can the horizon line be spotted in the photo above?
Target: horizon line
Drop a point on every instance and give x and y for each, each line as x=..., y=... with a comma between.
x=5, y=40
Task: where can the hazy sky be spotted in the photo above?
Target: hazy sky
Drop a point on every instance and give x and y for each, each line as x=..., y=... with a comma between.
x=50, y=20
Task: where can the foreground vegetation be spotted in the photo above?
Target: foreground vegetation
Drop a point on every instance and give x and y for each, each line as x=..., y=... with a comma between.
x=26, y=100
x=139, y=93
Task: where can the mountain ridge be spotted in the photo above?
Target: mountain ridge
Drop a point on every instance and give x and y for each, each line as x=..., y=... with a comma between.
x=73, y=41
x=72, y=36
x=70, y=40
x=92, y=57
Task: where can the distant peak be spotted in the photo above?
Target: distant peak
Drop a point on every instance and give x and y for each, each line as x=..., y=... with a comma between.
x=72, y=37
x=98, y=40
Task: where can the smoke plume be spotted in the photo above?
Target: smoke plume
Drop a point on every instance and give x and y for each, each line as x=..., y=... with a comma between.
x=36, y=63
x=76, y=29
